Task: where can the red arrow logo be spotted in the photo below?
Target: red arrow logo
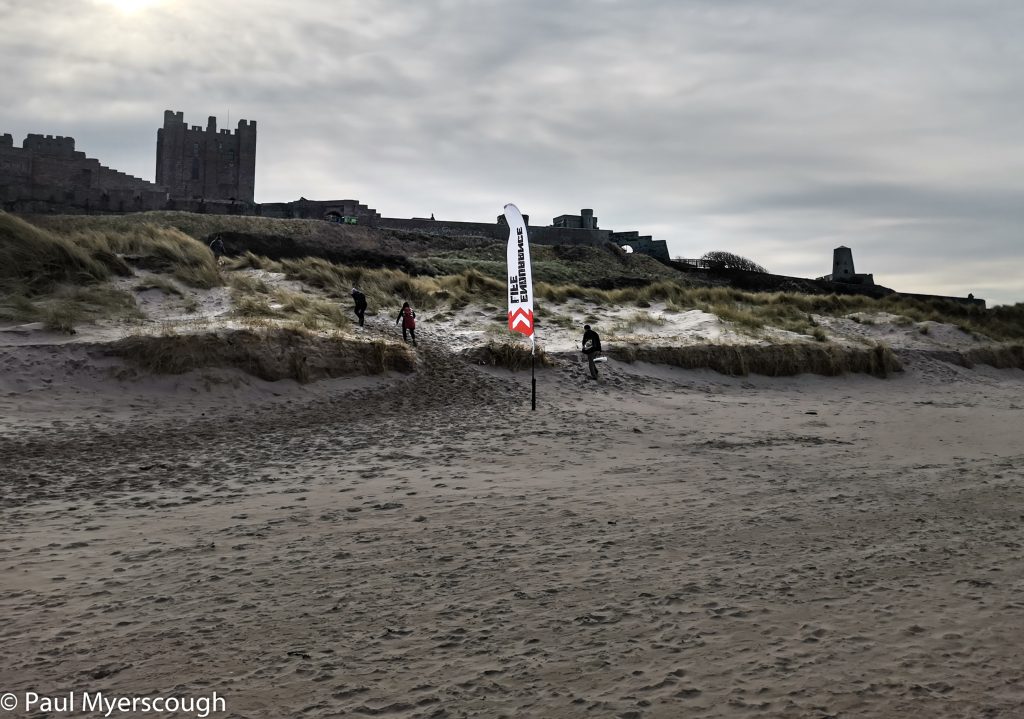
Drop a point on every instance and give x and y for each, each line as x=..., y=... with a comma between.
x=520, y=320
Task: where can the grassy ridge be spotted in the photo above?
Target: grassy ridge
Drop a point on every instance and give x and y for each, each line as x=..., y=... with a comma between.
x=558, y=265
x=751, y=310
x=194, y=225
x=41, y=265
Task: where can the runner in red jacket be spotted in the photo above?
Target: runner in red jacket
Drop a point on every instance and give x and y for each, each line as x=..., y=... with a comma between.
x=408, y=319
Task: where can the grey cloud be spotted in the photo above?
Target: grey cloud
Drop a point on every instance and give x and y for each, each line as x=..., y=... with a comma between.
x=883, y=200
x=776, y=130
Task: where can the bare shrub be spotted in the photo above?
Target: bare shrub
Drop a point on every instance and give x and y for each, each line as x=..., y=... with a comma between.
x=62, y=316
x=728, y=261
x=158, y=282
x=253, y=262
x=248, y=284
x=507, y=353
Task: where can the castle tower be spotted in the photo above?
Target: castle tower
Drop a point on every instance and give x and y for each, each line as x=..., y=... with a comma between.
x=206, y=163
x=842, y=264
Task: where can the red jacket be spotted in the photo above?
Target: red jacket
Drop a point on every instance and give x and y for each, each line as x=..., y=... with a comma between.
x=408, y=318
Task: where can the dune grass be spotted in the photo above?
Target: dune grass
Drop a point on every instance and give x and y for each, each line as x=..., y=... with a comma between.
x=385, y=287
x=313, y=313
x=247, y=284
x=510, y=354
x=51, y=279
x=249, y=261
x=160, y=248
x=635, y=322
x=777, y=360
x=59, y=278
x=74, y=251
x=64, y=307
x=159, y=282
x=255, y=300
x=195, y=225
x=33, y=261
x=1003, y=356
x=271, y=354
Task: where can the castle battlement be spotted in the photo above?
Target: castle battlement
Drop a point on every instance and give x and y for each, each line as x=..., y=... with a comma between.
x=49, y=145
x=176, y=120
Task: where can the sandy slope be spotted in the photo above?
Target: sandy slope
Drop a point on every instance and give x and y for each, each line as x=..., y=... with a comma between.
x=657, y=544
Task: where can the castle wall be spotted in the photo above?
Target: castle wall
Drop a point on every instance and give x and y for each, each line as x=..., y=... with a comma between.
x=47, y=174
x=15, y=169
x=644, y=244
x=566, y=236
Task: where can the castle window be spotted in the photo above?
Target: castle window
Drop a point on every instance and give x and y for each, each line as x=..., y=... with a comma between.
x=195, y=168
x=195, y=149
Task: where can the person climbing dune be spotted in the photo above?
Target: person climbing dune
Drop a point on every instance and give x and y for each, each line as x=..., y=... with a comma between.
x=591, y=348
x=408, y=319
x=360, y=300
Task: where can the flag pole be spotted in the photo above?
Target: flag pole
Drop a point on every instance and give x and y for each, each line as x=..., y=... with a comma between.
x=520, y=288
x=533, y=373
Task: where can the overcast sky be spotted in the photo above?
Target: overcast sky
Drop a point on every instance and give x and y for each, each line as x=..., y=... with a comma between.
x=776, y=129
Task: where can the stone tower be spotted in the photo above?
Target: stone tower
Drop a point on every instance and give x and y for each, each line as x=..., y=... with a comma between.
x=842, y=264
x=193, y=163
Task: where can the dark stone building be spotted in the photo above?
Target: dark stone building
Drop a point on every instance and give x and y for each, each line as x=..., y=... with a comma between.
x=47, y=174
x=583, y=221
x=331, y=210
x=843, y=270
x=193, y=163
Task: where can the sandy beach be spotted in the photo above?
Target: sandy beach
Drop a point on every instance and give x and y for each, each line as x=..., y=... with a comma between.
x=660, y=543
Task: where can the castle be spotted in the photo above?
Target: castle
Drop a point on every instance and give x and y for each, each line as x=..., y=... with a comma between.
x=196, y=169
x=214, y=171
